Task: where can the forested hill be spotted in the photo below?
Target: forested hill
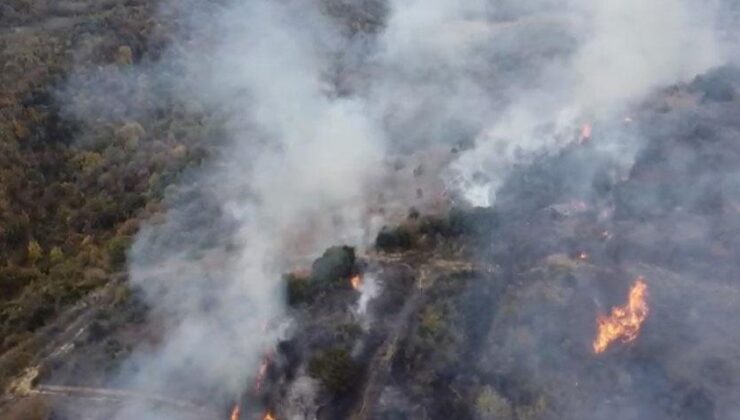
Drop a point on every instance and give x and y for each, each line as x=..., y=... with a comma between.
x=73, y=190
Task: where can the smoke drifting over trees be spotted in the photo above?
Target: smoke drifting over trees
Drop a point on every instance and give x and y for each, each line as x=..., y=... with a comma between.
x=580, y=126
x=315, y=112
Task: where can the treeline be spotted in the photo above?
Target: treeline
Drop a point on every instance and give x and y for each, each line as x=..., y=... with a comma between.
x=88, y=146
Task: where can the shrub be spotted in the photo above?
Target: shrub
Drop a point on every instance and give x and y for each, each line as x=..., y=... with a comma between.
x=336, y=265
x=348, y=332
x=103, y=213
x=130, y=133
x=121, y=294
x=299, y=289
x=97, y=330
x=31, y=312
x=124, y=56
x=491, y=405
x=394, y=239
x=433, y=225
x=475, y=221
x=116, y=250
x=334, y=368
x=12, y=363
x=536, y=410
x=86, y=161
x=56, y=256
x=14, y=279
x=431, y=321
x=30, y=408
x=16, y=230
x=34, y=252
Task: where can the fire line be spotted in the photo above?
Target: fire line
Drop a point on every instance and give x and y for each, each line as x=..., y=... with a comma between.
x=236, y=412
x=356, y=282
x=625, y=321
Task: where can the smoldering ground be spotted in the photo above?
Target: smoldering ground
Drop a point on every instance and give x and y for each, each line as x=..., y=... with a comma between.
x=312, y=114
x=664, y=227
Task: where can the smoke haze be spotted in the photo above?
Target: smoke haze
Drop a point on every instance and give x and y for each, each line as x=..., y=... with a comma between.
x=315, y=114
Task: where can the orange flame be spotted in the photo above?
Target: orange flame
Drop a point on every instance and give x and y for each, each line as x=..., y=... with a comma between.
x=625, y=321
x=356, y=282
x=262, y=373
x=236, y=412
x=585, y=133
x=268, y=416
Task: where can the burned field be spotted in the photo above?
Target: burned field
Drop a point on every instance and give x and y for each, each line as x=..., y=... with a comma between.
x=501, y=313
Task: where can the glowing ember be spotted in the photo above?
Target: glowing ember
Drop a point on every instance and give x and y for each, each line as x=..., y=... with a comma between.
x=356, y=282
x=268, y=416
x=585, y=133
x=625, y=321
x=262, y=373
x=236, y=412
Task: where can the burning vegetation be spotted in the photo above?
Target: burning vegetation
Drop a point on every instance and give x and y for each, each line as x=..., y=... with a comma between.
x=236, y=412
x=585, y=133
x=454, y=312
x=624, y=322
x=261, y=374
x=356, y=282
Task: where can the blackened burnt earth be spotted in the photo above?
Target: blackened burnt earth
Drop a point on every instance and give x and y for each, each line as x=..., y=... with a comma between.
x=510, y=335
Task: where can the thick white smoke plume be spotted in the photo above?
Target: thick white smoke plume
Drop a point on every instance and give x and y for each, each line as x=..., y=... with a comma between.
x=306, y=161
x=620, y=51
x=292, y=181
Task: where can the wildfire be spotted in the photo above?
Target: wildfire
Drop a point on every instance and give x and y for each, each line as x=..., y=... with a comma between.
x=585, y=136
x=262, y=373
x=625, y=321
x=356, y=282
x=583, y=256
x=268, y=416
x=236, y=412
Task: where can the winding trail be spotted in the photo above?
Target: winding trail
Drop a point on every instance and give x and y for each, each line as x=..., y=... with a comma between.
x=117, y=395
x=427, y=270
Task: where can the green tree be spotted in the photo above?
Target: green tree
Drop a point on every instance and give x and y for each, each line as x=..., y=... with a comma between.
x=13, y=279
x=334, y=267
x=56, y=255
x=34, y=252
x=117, y=248
x=491, y=405
x=334, y=368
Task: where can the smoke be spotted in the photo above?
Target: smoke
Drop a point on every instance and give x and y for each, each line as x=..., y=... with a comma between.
x=619, y=52
x=369, y=289
x=292, y=180
x=634, y=47
x=305, y=156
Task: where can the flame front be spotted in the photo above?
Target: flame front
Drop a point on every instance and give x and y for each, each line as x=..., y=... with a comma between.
x=356, y=282
x=262, y=373
x=586, y=131
x=268, y=416
x=236, y=412
x=625, y=321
